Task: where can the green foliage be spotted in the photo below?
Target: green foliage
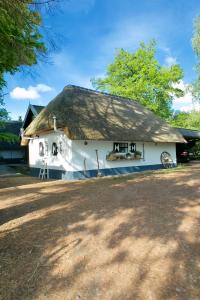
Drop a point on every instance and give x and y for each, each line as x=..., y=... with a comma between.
x=8, y=137
x=3, y=113
x=20, y=39
x=196, y=47
x=190, y=120
x=20, y=44
x=196, y=150
x=5, y=136
x=139, y=76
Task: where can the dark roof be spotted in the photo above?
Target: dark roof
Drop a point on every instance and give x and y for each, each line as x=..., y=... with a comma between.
x=14, y=128
x=31, y=113
x=189, y=133
x=37, y=108
x=90, y=115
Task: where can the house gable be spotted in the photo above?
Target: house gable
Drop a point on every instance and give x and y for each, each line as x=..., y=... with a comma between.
x=32, y=112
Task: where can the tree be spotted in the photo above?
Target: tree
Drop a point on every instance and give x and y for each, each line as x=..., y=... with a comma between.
x=20, y=40
x=139, y=76
x=189, y=120
x=5, y=136
x=196, y=47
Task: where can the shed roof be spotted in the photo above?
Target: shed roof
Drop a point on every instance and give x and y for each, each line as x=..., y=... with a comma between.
x=189, y=133
x=90, y=115
x=14, y=128
x=32, y=111
x=37, y=108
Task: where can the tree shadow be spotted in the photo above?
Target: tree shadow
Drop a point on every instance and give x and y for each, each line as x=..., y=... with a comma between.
x=14, y=181
x=131, y=237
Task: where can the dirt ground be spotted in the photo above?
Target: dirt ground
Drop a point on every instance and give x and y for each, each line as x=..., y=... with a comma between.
x=135, y=237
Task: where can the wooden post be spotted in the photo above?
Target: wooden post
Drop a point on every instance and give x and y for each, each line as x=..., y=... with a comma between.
x=97, y=157
x=143, y=152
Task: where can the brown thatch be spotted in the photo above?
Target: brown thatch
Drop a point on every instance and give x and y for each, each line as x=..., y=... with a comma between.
x=89, y=115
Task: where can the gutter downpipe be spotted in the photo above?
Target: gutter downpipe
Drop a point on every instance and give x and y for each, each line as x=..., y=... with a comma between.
x=54, y=123
x=97, y=157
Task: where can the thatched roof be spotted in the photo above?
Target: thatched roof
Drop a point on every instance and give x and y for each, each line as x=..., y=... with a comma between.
x=90, y=115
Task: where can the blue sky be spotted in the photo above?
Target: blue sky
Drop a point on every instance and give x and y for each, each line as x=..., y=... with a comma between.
x=89, y=32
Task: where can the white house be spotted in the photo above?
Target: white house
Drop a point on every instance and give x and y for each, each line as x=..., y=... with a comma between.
x=84, y=133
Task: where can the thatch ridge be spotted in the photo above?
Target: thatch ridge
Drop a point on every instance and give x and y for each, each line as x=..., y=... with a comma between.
x=92, y=115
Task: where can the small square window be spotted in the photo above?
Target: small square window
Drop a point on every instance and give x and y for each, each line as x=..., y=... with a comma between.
x=132, y=147
x=120, y=147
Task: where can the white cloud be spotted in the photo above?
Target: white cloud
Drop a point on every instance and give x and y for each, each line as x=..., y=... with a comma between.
x=190, y=107
x=185, y=103
x=32, y=92
x=170, y=60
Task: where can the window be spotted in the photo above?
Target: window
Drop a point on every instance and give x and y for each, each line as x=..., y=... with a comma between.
x=61, y=147
x=46, y=148
x=54, y=149
x=120, y=147
x=132, y=147
x=41, y=149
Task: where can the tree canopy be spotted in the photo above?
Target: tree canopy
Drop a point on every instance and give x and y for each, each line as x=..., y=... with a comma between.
x=196, y=47
x=189, y=120
x=140, y=76
x=3, y=113
x=20, y=42
x=20, y=39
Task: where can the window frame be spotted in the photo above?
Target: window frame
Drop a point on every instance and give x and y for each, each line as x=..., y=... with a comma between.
x=41, y=149
x=132, y=147
x=46, y=148
x=61, y=147
x=54, y=149
x=123, y=147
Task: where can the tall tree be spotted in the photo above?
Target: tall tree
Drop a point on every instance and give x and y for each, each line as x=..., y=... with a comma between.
x=139, y=76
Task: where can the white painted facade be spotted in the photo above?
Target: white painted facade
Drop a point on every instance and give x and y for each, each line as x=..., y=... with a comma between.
x=77, y=156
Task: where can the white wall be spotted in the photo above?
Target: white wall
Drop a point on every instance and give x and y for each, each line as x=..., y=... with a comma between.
x=152, y=154
x=74, y=153
x=61, y=161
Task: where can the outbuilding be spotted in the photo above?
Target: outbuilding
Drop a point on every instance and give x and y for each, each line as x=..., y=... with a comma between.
x=11, y=151
x=84, y=133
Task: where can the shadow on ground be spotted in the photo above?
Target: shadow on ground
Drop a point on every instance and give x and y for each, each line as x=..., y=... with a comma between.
x=124, y=238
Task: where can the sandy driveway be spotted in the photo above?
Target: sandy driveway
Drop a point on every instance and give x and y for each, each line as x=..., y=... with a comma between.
x=136, y=237
x=6, y=170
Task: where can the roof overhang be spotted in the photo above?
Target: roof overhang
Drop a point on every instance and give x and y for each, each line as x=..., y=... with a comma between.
x=190, y=134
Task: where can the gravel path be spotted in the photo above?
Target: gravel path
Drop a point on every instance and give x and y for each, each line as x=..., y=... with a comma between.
x=136, y=237
x=6, y=170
